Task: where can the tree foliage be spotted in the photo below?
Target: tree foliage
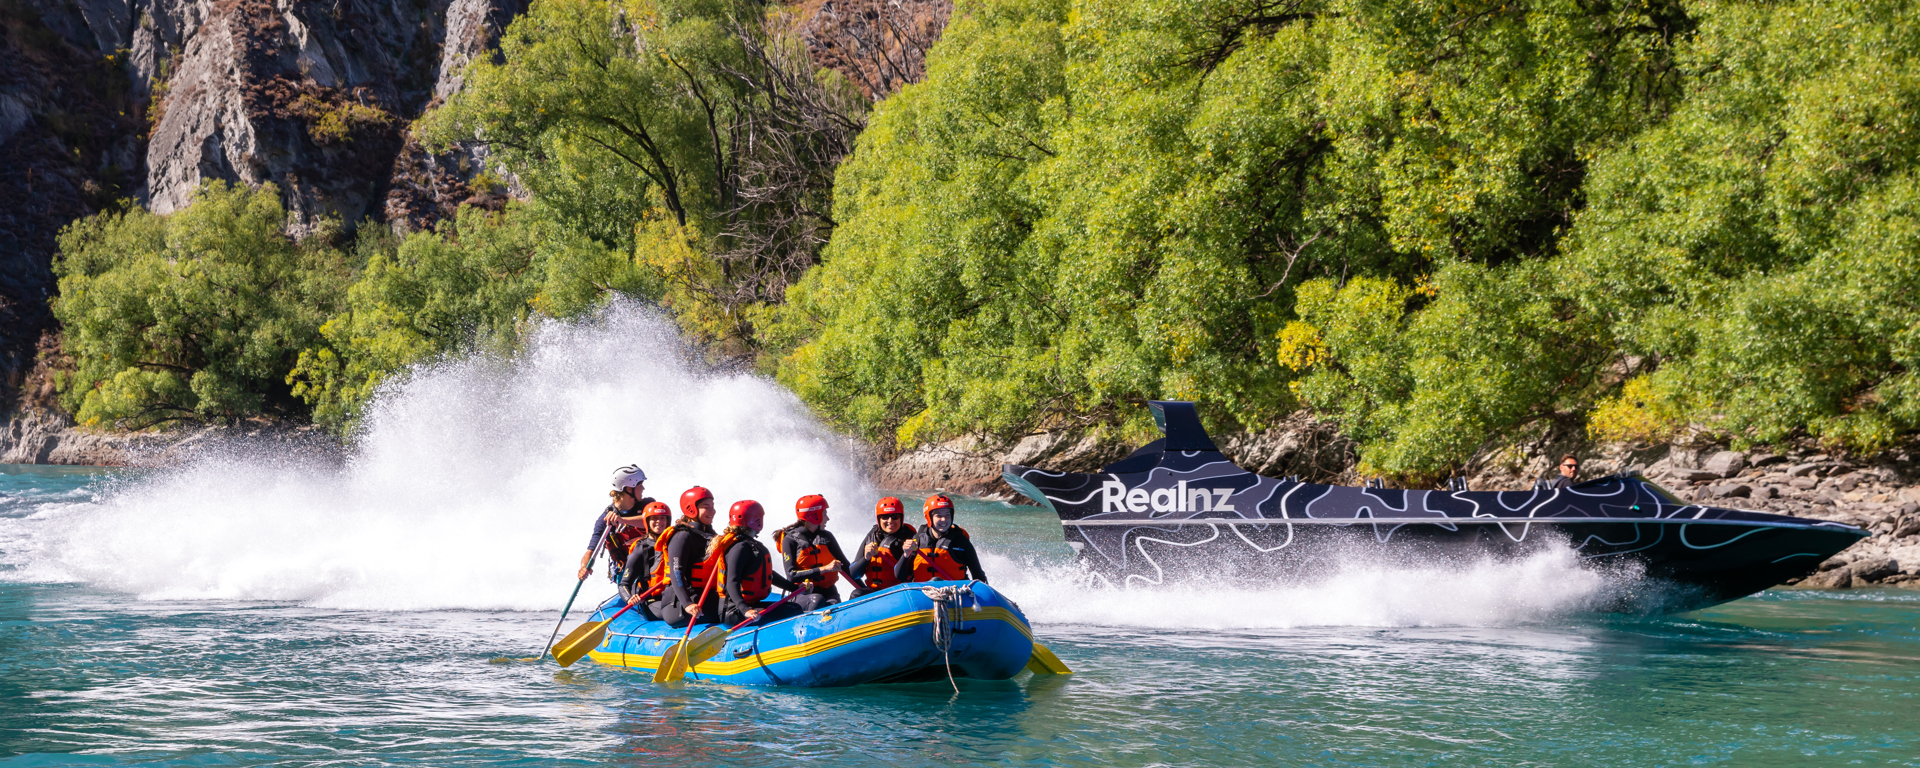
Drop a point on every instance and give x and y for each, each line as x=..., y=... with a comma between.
x=1093, y=203
x=469, y=285
x=197, y=315
x=694, y=131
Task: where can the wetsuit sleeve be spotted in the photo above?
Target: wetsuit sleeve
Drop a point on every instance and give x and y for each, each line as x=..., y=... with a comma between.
x=637, y=562
x=736, y=570
x=857, y=567
x=599, y=529
x=833, y=547
x=790, y=556
x=970, y=557
x=903, y=570
x=781, y=582
x=680, y=566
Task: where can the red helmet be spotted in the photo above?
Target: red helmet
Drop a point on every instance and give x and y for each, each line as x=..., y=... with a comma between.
x=654, y=508
x=812, y=508
x=692, y=497
x=936, y=502
x=747, y=514
x=889, y=506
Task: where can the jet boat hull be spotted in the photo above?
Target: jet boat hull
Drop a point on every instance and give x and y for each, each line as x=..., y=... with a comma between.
x=1178, y=510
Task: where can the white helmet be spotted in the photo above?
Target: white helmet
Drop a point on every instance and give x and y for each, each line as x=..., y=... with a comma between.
x=628, y=477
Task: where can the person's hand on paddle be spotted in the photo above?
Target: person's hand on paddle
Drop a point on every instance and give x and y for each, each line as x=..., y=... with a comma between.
x=834, y=567
x=753, y=614
x=637, y=598
x=870, y=548
x=908, y=547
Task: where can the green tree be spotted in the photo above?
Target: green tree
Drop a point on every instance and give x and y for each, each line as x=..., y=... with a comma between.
x=196, y=315
x=1093, y=203
x=471, y=284
x=694, y=131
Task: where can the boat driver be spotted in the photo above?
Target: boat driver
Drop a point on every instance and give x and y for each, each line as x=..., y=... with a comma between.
x=1569, y=472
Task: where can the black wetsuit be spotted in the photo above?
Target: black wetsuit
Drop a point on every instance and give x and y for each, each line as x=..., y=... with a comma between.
x=957, y=543
x=891, y=542
x=744, y=560
x=796, y=538
x=640, y=565
x=685, y=549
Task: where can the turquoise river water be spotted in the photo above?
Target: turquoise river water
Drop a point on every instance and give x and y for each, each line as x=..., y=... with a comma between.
x=92, y=673
x=263, y=603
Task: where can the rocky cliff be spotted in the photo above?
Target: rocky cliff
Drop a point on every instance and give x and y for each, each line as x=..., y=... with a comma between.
x=104, y=100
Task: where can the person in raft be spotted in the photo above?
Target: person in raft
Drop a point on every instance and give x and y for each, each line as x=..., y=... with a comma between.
x=880, y=550
x=684, y=550
x=812, y=556
x=746, y=568
x=941, y=551
x=646, y=571
x=618, y=522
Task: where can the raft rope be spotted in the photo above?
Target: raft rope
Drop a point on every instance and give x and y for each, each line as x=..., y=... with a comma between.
x=946, y=614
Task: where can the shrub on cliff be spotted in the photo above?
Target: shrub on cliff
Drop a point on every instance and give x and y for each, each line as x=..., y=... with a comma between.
x=197, y=315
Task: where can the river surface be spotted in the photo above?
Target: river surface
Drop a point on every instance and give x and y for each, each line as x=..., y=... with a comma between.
x=1380, y=667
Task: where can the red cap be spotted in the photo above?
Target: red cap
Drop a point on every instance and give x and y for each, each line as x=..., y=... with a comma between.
x=747, y=514
x=889, y=506
x=692, y=497
x=655, y=508
x=937, y=501
x=812, y=508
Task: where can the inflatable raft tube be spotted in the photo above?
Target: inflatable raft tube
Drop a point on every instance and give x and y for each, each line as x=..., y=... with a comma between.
x=906, y=633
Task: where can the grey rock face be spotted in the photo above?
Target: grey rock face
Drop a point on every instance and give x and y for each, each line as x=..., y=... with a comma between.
x=1874, y=569
x=1726, y=463
x=241, y=84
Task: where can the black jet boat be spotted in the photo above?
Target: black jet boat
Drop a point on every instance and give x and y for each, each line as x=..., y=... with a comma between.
x=1178, y=510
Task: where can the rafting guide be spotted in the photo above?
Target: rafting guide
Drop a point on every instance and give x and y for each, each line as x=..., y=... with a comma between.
x=921, y=608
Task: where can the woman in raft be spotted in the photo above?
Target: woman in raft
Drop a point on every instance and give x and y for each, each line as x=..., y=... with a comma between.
x=941, y=551
x=811, y=554
x=645, y=574
x=683, y=566
x=880, y=550
x=746, y=576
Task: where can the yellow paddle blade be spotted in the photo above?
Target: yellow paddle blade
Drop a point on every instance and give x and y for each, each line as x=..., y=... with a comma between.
x=671, y=661
x=1043, y=662
x=703, y=646
x=577, y=643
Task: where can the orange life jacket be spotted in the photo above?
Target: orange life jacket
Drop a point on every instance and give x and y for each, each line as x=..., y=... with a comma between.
x=936, y=563
x=755, y=586
x=817, y=556
x=879, y=573
x=662, y=572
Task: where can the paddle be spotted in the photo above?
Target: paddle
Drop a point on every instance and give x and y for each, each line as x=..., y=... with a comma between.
x=587, y=636
x=712, y=639
x=673, y=657
x=1043, y=662
x=563, y=612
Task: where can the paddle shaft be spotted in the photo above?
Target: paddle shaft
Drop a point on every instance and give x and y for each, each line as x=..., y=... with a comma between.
x=693, y=616
x=763, y=611
x=597, y=546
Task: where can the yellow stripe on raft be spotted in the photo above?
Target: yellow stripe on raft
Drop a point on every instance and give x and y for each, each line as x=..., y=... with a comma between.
x=818, y=645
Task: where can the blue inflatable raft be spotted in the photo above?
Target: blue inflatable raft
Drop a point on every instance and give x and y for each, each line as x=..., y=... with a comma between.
x=907, y=633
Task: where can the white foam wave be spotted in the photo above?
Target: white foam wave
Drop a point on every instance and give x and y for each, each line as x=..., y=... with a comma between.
x=474, y=484
x=1479, y=592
